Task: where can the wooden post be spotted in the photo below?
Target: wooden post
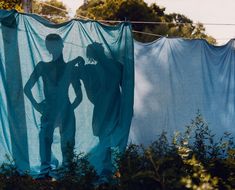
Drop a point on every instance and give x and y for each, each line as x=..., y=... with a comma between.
x=27, y=5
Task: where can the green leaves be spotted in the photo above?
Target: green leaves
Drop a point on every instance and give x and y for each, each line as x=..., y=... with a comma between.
x=49, y=10
x=167, y=164
x=138, y=10
x=184, y=162
x=13, y=4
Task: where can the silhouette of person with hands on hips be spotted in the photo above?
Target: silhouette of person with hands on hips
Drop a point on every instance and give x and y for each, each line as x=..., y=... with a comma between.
x=56, y=109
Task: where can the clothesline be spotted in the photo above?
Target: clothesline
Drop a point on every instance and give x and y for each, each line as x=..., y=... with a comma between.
x=136, y=22
x=134, y=31
x=158, y=35
x=167, y=23
x=49, y=5
x=151, y=34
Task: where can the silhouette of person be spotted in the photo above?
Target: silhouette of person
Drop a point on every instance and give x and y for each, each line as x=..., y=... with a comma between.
x=56, y=109
x=102, y=80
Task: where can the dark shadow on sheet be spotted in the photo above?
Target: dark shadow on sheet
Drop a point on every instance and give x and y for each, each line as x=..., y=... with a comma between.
x=15, y=96
x=102, y=79
x=56, y=109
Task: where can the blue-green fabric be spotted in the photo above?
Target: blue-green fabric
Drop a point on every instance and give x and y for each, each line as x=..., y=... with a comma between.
x=63, y=87
x=174, y=78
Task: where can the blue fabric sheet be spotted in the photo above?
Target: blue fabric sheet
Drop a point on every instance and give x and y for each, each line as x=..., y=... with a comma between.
x=63, y=87
x=174, y=78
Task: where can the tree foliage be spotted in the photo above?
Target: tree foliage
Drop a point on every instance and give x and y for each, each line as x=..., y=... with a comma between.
x=49, y=12
x=138, y=10
x=12, y=4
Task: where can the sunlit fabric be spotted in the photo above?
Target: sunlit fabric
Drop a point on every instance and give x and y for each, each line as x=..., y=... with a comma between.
x=62, y=88
x=174, y=78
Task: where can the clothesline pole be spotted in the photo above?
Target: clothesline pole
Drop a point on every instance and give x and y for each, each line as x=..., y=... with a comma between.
x=27, y=6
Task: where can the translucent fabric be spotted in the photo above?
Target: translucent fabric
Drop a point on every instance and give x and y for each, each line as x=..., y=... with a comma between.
x=174, y=78
x=62, y=88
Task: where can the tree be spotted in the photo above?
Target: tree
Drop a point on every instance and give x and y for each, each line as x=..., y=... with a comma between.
x=13, y=4
x=138, y=10
x=49, y=11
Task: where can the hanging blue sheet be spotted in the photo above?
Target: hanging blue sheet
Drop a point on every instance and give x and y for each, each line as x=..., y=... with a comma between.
x=63, y=87
x=174, y=78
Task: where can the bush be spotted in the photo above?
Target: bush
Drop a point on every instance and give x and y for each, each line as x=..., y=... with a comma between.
x=194, y=159
x=77, y=173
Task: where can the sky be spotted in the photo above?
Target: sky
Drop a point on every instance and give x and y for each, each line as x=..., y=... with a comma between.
x=204, y=11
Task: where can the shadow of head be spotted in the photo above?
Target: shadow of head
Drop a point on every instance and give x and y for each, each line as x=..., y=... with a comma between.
x=95, y=51
x=9, y=20
x=54, y=45
x=9, y=28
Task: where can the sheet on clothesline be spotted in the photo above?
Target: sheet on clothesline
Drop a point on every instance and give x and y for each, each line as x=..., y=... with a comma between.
x=62, y=87
x=174, y=78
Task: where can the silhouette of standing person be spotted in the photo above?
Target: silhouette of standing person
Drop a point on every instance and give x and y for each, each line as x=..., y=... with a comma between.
x=102, y=80
x=56, y=109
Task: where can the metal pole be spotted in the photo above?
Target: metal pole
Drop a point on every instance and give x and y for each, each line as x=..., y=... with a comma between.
x=27, y=5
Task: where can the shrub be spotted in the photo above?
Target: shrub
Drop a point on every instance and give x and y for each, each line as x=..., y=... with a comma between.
x=194, y=159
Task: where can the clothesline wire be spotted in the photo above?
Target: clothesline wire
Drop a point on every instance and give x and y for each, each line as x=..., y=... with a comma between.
x=158, y=35
x=151, y=34
x=154, y=22
x=140, y=32
x=167, y=23
x=49, y=5
x=138, y=22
